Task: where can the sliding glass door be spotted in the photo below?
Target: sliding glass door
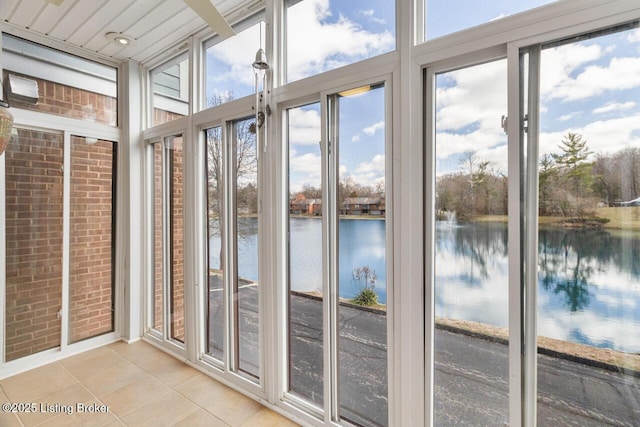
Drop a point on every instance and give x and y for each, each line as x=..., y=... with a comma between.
x=532, y=159
x=166, y=298
x=60, y=240
x=583, y=100
x=233, y=292
x=339, y=280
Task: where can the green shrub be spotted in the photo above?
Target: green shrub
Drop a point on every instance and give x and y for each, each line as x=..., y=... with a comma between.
x=365, y=279
x=367, y=297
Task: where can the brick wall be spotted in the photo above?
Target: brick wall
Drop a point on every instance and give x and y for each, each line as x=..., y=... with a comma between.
x=158, y=244
x=34, y=214
x=163, y=116
x=34, y=190
x=177, y=241
x=91, y=267
x=61, y=100
x=176, y=238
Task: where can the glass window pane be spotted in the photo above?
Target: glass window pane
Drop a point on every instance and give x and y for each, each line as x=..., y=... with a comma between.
x=34, y=186
x=589, y=240
x=323, y=35
x=68, y=85
x=170, y=94
x=228, y=68
x=158, y=242
x=449, y=16
x=215, y=221
x=305, y=254
x=246, y=287
x=175, y=170
x=471, y=263
x=362, y=249
x=91, y=284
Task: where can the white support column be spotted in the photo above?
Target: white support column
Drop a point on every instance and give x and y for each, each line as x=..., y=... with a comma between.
x=130, y=200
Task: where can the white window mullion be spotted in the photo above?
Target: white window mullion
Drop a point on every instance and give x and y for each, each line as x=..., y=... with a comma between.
x=430, y=233
x=530, y=235
x=331, y=244
x=514, y=100
x=66, y=233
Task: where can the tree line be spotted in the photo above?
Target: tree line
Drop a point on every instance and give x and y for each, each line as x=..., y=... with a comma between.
x=572, y=182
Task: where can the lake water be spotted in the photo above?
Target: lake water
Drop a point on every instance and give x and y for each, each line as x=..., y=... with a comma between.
x=588, y=282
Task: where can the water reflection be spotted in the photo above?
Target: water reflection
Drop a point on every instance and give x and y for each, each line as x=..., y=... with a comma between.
x=589, y=281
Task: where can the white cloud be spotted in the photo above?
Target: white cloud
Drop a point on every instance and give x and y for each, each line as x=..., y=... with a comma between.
x=304, y=126
x=614, y=106
x=601, y=136
x=369, y=13
x=469, y=113
x=478, y=97
x=356, y=138
x=561, y=64
x=306, y=170
x=568, y=116
x=371, y=130
x=319, y=45
x=634, y=36
x=367, y=173
x=237, y=53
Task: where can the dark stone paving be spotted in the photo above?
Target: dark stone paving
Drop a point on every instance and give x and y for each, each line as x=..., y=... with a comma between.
x=470, y=373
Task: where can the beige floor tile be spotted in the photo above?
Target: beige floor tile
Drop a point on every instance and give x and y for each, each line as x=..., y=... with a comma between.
x=146, y=356
x=230, y=406
x=84, y=365
x=37, y=383
x=174, y=373
x=134, y=395
x=267, y=418
x=164, y=411
x=9, y=420
x=107, y=380
x=201, y=418
x=52, y=405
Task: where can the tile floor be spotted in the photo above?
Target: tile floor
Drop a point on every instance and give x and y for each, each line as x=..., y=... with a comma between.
x=140, y=385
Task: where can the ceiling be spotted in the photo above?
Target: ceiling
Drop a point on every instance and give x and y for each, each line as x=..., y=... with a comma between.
x=156, y=25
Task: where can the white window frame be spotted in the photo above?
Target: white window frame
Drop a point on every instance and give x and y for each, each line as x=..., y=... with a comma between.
x=67, y=127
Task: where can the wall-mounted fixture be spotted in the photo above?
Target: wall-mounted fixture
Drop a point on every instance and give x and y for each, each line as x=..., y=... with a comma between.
x=21, y=89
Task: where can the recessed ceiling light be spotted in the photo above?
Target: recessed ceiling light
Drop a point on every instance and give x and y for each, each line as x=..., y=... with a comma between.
x=120, y=39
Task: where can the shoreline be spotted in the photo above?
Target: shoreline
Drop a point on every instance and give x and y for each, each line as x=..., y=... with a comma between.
x=603, y=358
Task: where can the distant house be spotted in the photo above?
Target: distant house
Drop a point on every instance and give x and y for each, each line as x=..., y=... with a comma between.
x=364, y=206
x=300, y=205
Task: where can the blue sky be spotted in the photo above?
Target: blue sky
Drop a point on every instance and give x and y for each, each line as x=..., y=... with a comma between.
x=590, y=87
x=448, y=16
x=361, y=155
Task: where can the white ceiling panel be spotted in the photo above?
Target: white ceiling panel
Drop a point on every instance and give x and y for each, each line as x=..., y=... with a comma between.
x=51, y=16
x=156, y=25
x=97, y=23
x=73, y=19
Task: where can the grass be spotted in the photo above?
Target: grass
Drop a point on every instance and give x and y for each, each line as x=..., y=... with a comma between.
x=622, y=218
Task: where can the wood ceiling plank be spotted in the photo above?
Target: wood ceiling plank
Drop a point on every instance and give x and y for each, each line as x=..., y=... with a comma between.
x=27, y=12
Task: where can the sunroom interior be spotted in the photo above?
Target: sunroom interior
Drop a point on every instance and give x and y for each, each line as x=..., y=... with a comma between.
x=320, y=213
